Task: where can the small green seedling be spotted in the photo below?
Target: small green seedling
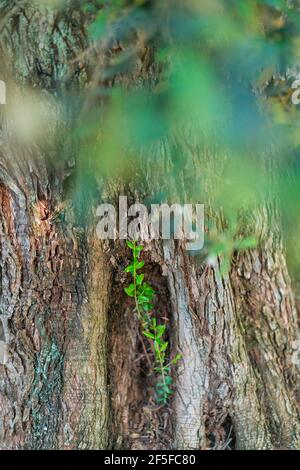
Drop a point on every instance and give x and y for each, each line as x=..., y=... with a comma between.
x=143, y=295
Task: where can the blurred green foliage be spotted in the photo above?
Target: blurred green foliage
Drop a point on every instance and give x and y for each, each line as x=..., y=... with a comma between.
x=197, y=92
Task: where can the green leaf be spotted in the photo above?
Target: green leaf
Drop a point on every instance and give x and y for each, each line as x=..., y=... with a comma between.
x=148, y=307
x=140, y=264
x=161, y=329
x=99, y=26
x=139, y=248
x=217, y=249
x=139, y=278
x=129, y=269
x=148, y=290
x=130, y=290
x=159, y=384
x=176, y=358
x=148, y=335
x=225, y=266
x=164, y=346
x=168, y=380
x=246, y=243
x=143, y=298
x=130, y=244
x=162, y=400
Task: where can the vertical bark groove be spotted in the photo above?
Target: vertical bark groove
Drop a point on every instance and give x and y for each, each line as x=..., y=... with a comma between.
x=73, y=371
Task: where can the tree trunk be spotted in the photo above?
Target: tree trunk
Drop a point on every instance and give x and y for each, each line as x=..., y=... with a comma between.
x=73, y=372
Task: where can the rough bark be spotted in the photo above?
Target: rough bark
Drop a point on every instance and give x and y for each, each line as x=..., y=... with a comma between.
x=74, y=372
x=55, y=280
x=265, y=305
x=216, y=380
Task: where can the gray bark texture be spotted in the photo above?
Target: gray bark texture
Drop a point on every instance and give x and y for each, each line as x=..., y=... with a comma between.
x=73, y=373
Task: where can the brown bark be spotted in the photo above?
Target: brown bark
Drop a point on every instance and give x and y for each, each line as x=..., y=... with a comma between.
x=54, y=296
x=55, y=279
x=215, y=381
x=265, y=304
x=74, y=373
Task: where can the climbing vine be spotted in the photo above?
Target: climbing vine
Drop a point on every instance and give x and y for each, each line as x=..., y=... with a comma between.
x=143, y=294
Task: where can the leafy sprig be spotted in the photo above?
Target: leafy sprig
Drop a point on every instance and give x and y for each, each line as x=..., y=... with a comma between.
x=143, y=295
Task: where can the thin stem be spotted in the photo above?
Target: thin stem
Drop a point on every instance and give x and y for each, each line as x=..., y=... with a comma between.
x=144, y=349
x=162, y=369
x=137, y=302
x=134, y=282
x=143, y=294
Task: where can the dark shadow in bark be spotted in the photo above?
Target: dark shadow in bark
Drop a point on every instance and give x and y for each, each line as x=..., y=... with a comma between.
x=2, y=343
x=220, y=434
x=138, y=421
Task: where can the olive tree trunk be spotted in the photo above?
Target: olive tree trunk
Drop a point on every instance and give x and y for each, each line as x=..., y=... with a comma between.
x=73, y=368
